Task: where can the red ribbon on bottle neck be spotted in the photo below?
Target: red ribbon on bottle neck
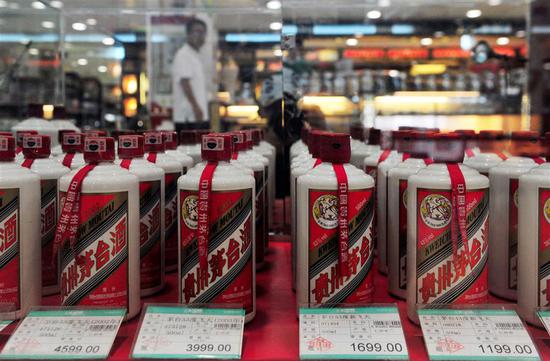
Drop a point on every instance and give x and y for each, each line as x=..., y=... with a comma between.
x=317, y=162
x=343, y=225
x=539, y=160
x=69, y=220
x=428, y=161
x=458, y=212
x=501, y=155
x=18, y=150
x=27, y=163
x=384, y=155
x=152, y=157
x=203, y=206
x=405, y=157
x=126, y=163
x=469, y=153
x=235, y=155
x=68, y=159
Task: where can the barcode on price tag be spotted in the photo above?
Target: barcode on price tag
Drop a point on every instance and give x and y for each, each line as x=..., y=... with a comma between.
x=64, y=334
x=179, y=332
x=475, y=334
x=361, y=333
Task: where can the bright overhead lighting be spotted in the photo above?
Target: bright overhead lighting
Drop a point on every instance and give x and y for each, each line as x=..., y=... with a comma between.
x=38, y=5
x=56, y=4
x=467, y=42
x=3, y=3
x=82, y=62
x=276, y=26
x=393, y=73
x=474, y=13
x=79, y=26
x=374, y=14
x=278, y=52
x=91, y=21
x=102, y=69
x=33, y=51
x=426, y=41
x=503, y=41
x=352, y=42
x=520, y=33
x=273, y=5
x=494, y=2
x=108, y=41
x=384, y=3
x=48, y=24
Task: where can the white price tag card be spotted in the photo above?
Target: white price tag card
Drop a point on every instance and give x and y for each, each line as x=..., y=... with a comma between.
x=475, y=334
x=544, y=316
x=64, y=334
x=186, y=333
x=363, y=333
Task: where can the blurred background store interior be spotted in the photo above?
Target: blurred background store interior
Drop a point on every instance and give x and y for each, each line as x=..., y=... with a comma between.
x=479, y=64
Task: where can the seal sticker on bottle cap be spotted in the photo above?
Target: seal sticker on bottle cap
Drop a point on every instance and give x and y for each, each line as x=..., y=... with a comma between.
x=130, y=146
x=36, y=146
x=170, y=140
x=97, y=149
x=335, y=148
x=153, y=142
x=216, y=147
x=20, y=133
x=7, y=148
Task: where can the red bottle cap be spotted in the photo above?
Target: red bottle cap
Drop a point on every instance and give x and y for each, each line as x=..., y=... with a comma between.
x=96, y=133
x=546, y=145
x=374, y=136
x=262, y=134
x=304, y=133
x=249, y=140
x=239, y=141
x=99, y=149
x=402, y=140
x=20, y=133
x=199, y=134
x=130, y=146
x=525, y=144
x=6, y=134
x=256, y=136
x=170, y=140
x=73, y=142
x=216, y=147
x=314, y=143
x=447, y=148
x=153, y=142
x=117, y=133
x=491, y=134
x=7, y=148
x=335, y=148
x=61, y=132
x=357, y=132
x=421, y=145
x=470, y=137
x=188, y=137
x=36, y=146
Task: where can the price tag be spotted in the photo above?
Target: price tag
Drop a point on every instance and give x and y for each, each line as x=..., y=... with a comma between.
x=179, y=332
x=475, y=335
x=544, y=316
x=352, y=333
x=64, y=334
x=4, y=324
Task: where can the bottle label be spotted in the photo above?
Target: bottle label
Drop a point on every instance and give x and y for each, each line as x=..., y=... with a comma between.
x=513, y=234
x=230, y=272
x=326, y=285
x=96, y=271
x=373, y=171
x=10, y=268
x=151, y=270
x=170, y=219
x=48, y=218
x=402, y=244
x=260, y=216
x=544, y=247
x=442, y=278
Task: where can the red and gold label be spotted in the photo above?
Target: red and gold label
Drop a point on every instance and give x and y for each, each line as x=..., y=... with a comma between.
x=170, y=219
x=326, y=285
x=230, y=271
x=443, y=278
x=544, y=247
x=10, y=292
x=96, y=272
x=48, y=223
x=402, y=243
x=150, y=234
x=513, y=234
x=261, y=221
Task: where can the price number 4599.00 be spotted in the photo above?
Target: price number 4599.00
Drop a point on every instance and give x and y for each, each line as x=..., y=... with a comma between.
x=77, y=349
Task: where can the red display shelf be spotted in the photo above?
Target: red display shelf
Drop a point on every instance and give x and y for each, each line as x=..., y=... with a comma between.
x=273, y=334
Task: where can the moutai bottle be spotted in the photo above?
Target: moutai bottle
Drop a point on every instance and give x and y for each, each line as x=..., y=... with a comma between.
x=72, y=145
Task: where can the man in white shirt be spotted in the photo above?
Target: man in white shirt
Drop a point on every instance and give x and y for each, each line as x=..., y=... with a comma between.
x=190, y=100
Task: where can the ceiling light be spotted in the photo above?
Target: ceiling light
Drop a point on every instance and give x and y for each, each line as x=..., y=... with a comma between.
x=474, y=13
x=48, y=24
x=393, y=73
x=108, y=41
x=56, y=4
x=102, y=69
x=3, y=3
x=426, y=41
x=466, y=42
x=79, y=26
x=276, y=26
x=352, y=42
x=38, y=5
x=82, y=62
x=503, y=41
x=273, y=5
x=494, y=2
x=374, y=14
x=33, y=51
x=91, y=21
x=278, y=52
x=520, y=33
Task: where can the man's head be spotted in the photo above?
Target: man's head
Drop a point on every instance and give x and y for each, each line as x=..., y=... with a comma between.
x=196, y=33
